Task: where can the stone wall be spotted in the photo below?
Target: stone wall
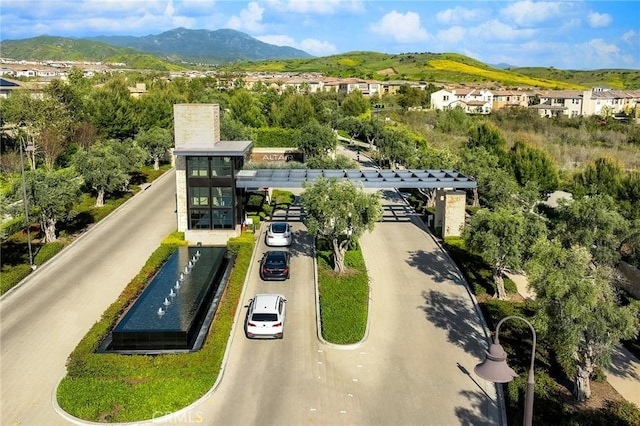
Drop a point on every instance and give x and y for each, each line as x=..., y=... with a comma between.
x=450, y=212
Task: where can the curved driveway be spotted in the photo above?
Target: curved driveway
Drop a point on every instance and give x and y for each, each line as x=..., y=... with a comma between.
x=424, y=332
x=410, y=370
x=43, y=320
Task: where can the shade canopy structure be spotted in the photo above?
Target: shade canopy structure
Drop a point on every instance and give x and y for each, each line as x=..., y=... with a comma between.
x=293, y=178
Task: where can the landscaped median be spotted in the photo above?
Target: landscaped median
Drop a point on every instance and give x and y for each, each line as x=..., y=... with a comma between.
x=344, y=298
x=103, y=387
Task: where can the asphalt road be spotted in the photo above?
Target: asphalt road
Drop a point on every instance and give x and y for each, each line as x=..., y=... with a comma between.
x=43, y=320
x=424, y=338
x=424, y=332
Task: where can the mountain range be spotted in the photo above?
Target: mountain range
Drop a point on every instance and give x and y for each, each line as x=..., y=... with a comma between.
x=179, y=45
x=183, y=49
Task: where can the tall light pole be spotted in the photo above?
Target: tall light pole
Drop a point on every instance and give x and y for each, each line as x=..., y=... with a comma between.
x=495, y=369
x=28, y=148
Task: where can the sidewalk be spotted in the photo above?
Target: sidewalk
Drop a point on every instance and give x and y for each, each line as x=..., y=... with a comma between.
x=624, y=372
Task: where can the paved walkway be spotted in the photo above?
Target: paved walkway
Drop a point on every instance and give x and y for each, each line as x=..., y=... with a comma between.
x=624, y=372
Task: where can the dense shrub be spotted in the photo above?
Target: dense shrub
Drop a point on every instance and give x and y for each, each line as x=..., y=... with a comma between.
x=47, y=251
x=11, y=227
x=275, y=137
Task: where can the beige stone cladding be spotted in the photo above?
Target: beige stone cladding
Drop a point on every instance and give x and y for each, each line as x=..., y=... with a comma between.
x=450, y=212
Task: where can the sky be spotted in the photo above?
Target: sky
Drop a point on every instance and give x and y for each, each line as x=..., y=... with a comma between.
x=578, y=35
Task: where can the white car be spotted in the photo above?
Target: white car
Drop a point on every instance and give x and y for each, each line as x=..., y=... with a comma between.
x=278, y=234
x=265, y=318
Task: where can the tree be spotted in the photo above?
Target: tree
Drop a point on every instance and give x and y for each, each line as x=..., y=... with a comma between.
x=531, y=164
x=340, y=213
x=578, y=312
x=233, y=130
x=396, y=146
x=52, y=195
x=409, y=96
x=354, y=104
x=487, y=136
x=341, y=162
x=314, y=140
x=107, y=166
x=245, y=108
x=156, y=141
x=602, y=176
x=155, y=107
x=595, y=223
x=500, y=239
x=351, y=125
x=296, y=111
x=371, y=129
x=113, y=111
x=629, y=195
x=496, y=187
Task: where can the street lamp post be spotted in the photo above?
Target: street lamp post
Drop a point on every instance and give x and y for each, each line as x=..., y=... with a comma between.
x=495, y=369
x=28, y=148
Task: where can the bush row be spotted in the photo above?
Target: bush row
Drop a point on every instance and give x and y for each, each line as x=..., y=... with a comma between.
x=275, y=137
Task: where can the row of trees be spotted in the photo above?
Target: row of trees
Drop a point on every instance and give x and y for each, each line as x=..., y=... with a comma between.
x=568, y=253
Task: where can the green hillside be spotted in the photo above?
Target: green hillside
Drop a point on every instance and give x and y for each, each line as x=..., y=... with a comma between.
x=431, y=67
x=439, y=68
x=51, y=48
x=611, y=78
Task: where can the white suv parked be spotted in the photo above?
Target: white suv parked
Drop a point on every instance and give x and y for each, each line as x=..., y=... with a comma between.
x=265, y=318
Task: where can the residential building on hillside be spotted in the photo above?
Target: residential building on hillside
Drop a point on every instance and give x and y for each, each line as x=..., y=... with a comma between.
x=606, y=102
x=559, y=102
x=472, y=101
x=509, y=98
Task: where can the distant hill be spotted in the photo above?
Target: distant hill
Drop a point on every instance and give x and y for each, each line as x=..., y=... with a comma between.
x=204, y=46
x=51, y=48
x=429, y=67
x=610, y=78
x=237, y=52
x=177, y=46
x=444, y=68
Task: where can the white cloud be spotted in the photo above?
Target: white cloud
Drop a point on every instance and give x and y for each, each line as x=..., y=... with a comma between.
x=496, y=30
x=459, y=14
x=603, y=49
x=310, y=45
x=597, y=20
x=630, y=37
x=317, y=47
x=403, y=28
x=319, y=7
x=526, y=13
x=249, y=19
x=452, y=35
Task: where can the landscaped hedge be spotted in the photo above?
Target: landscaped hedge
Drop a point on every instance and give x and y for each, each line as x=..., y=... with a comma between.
x=125, y=388
x=275, y=137
x=47, y=251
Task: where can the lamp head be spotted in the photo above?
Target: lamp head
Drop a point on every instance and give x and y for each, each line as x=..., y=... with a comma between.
x=494, y=368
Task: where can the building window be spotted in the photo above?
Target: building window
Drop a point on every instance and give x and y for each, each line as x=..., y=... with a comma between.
x=222, y=218
x=197, y=167
x=221, y=166
x=199, y=196
x=199, y=219
x=221, y=196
